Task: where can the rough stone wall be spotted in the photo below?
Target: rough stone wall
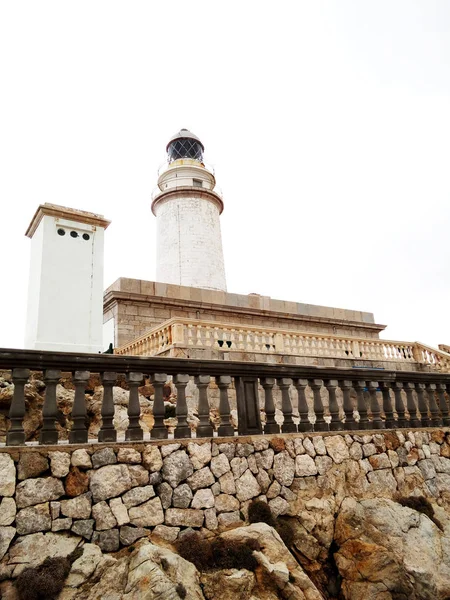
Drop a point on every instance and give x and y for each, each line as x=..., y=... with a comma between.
x=112, y=495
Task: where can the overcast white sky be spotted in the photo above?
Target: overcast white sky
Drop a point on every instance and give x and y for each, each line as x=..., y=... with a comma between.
x=328, y=123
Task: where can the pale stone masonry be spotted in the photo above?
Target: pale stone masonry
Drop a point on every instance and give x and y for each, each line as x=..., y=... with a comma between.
x=114, y=495
x=131, y=307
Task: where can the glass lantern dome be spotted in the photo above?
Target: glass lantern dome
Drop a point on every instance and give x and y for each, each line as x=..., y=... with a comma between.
x=184, y=144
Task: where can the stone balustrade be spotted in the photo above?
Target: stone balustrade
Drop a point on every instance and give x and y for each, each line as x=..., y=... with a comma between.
x=342, y=399
x=194, y=334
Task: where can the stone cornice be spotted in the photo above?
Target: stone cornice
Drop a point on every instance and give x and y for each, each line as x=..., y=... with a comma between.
x=64, y=212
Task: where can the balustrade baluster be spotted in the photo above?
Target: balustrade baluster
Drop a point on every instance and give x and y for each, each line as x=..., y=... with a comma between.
x=107, y=432
x=79, y=432
x=159, y=430
x=49, y=433
x=284, y=384
x=402, y=421
x=335, y=423
x=271, y=425
x=316, y=386
x=204, y=428
x=377, y=421
x=16, y=434
x=305, y=424
x=134, y=431
x=411, y=406
x=225, y=428
x=347, y=404
x=390, y=422
x=423, y=408
x=182, y=430
x=361, y=404
x=442, y=388
x=436, y=419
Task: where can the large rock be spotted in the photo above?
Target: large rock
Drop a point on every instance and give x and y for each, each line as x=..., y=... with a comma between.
x=128, y=535
x=59, y=463
x=32, y=549
x=37, y=491
x=7, y=475
x=31, y=464
x=84, y=566
x=6, y=536
x=76, y=483
x=33, y=519
x=200, y=454
x=184, y=517
x=104, y=518
x=337, y=448
x=203, y=499
x=201, y=479
x=148, y=514
x=138, y=496
x=220, y=465
x=177, y=467
x=151, y=459
x=390, y=551
x=7, y=511
x=305, y=465
x=247, y=486
x=182, y=496
x=77, y=508
x=284, y=468
x=109, y=482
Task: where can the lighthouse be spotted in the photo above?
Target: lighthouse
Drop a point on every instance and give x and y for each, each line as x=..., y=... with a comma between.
x=187, y=210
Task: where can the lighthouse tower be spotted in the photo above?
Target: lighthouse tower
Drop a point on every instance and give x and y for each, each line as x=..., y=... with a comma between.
x=187, y=209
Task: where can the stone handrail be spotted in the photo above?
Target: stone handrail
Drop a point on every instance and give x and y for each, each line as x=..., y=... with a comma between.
x=247, y=338
x=369, y=398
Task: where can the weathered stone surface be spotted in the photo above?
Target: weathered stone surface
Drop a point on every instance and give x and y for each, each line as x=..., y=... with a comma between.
x=151, y=458
x=59, y=463
x=167, y=449
x=284, y=468
x=305, y=465
x=33, y=519
x=81, y=458
x=228, y=449
x=155, y=478
x=369, y=449
x=244, y=449
x=148, y=514
x=182, y=496
x=119, y=511
x=31, y=464
x=109, y=482
x=103, y=457
x=138, y=475
x=380, y=461
x=165, y=492
x=309, y=447
x=226, y=503
x=278, y=506
x=203, y=499
x=37, y=491
x=84, y=566
x=7, y=475
x=7, y=511
x=129, y=456
x=128, y=535
x=76, y=483
x=274, y=490
x=337, y=448
x=263, y=480
x=211, y=521
x=62, y=524
x=238, y=466
x=252, y=464
x=138, y=496
x=30, y=549
x=84, y=527
x=177, y=467
x=166, y=533
x=6, y=536
x=104, y=518
x=247, y=487
x=107, y=540
x=227, y=483
x=230, y=518
x=77, y=508
x=184, y=517
x=229, y=584
x=200, y=454
x=201, y=479
x=383, y=483
x=220, y=465
x=355, y=451
x=323, y=464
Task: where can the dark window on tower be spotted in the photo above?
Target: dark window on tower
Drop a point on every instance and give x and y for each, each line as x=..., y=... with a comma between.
x=197, y=183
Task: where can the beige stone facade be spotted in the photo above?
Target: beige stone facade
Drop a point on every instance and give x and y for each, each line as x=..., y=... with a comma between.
x=137, y=306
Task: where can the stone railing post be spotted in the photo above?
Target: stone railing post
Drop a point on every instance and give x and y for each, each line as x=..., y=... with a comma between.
x=399, y=405
x=79, y=432
x=316, y=386
x=423, y=408
x=182, y=430
x=411, y=405
x=303, y=410
x=377, y=421
x=49, y=433
x=347, y=404
x=204, y=428
x=225, y=428
x=361, y=404
x=271, y=425
x=335, y=423
x=134, y=431
x=387, y=405
x=288, y=426
x=159, y=430
x=436, y=418
x=16, y=434
x=442, y=388
x=107, y=432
